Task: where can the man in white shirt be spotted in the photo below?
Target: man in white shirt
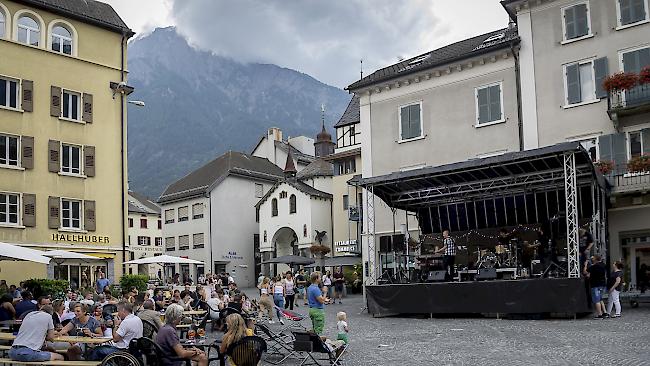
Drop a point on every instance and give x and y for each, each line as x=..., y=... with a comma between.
x=130, y=327
x=37, y=326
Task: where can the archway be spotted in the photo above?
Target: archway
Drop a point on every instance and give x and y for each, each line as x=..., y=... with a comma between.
x=285, y=242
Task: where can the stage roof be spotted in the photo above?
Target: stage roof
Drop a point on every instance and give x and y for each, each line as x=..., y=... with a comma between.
x=510, y=173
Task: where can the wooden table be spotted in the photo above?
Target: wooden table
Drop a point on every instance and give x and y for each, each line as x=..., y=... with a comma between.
x=69, y=339
x=194, y=312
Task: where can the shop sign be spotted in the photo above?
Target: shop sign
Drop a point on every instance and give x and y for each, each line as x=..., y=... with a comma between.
x=345, y=246
x=81, y=238
x=232, y=255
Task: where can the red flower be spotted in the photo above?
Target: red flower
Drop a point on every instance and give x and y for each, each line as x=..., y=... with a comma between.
x=644, y=76
x=620, y=81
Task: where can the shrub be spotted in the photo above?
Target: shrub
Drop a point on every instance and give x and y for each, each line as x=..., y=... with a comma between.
x=44, y=287
x=620, y=81
x=137, y=281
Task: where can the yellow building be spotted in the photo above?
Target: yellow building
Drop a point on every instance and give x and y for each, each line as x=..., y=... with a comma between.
x=63, y=135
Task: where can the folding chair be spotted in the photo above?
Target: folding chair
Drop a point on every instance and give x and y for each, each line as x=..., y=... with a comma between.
x=294, y=319
x=279, y=344
x=311, y=343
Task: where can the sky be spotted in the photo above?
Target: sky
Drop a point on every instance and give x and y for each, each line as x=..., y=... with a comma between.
x=323, y=38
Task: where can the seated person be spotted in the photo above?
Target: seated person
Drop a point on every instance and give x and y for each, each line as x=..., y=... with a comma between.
x=81, y=325
x=236, y=331
x=25, y=305
x=159, y=300
x=149, y=314
x=7, y=310
x=128, y=326
x=167, y=339
x=36, y=328
x=236, y=303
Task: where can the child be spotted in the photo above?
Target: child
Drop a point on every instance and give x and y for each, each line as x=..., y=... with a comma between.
x=342, y=327
x=615, y=287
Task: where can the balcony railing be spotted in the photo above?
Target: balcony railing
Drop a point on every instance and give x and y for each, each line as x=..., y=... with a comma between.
x=621, y=101
x=624, y=181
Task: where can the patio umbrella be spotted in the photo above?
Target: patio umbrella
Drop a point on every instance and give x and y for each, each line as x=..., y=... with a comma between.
x=59, y=255
x=16, y=252
x=163, y=259
x=291, y=260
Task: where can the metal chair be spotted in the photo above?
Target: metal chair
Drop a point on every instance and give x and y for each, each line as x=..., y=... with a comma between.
x=120, y=358
x=149, y=329
x=153, y=355
x=311, y=343
x=279, y=344
x=247, y=351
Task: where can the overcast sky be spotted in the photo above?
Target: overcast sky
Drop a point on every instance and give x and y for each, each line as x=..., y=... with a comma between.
x=323, y=38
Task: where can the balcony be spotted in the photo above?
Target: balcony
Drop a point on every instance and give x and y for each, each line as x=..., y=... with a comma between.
x=624, y=181
x=627, y=103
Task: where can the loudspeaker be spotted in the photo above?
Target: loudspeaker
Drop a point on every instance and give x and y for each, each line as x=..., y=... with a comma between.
x=486, y=274
x=537, y=268
x=398, y=243
x=436, y=276
x=385, y=244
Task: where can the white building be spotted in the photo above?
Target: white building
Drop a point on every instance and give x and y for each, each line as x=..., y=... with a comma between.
x=274, y=148
x=145, y=233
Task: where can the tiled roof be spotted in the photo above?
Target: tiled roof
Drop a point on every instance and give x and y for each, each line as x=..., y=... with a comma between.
x=454, y=52
x=351, y=115
x=88, y=11
x=318, y=168
x=141, y=204
x=203, y=179
x=302, y=187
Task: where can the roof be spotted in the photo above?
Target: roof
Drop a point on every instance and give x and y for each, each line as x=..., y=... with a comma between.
x=300, y=186
x=318, y=168
x=352, y=113
x=510, y=173
x=87, y=11
x=289, y=166
x=139, y=203
x=297, y=154
x=464, y=49
x=204, y=179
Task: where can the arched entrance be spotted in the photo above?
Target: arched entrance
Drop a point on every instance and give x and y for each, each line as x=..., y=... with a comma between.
x=285, y=242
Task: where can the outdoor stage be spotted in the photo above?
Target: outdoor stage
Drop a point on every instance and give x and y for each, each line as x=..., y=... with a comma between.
x=529, y=296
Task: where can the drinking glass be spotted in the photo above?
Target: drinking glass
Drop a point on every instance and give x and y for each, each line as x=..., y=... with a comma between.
x=201, y=333
x=191, y=334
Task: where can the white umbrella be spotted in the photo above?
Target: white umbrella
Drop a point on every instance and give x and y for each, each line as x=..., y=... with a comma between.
x=64, y=254
x=163, y=259
x=16, y=252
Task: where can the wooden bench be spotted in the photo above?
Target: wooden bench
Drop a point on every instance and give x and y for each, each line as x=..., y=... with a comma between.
x=9, y=361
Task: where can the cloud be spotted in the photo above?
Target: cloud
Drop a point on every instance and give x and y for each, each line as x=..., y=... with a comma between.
x=325, y=39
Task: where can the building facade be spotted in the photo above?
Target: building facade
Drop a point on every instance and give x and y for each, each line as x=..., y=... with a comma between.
x=62, y=137
x=145, y=234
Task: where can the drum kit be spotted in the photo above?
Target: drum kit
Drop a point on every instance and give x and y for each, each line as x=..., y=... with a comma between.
x=503, y=256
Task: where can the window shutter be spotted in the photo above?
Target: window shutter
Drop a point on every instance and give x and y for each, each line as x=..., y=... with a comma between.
x=573, y=84
x=28, y=96
x=625, y=7
x=619, y=151
x=605, y=148
x=54, y=164
x=89, y=216
x=495, y=102
x=53, y=212
x=88, y=108
x=55, y=101
x=638, y=10
x=644, y=58
x=404, y=120
x=581, y=20
x=27, y=146
x=645, y=137
x=89, y=161
x=570, y=22
x=600, y=73
x=29, y=210
x=414, y=120
x=483, y=105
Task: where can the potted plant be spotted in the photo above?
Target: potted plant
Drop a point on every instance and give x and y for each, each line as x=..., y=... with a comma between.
x=620, y=81
x=644, y=76
x=639, y=164
x=605, y=166
x=318, y=249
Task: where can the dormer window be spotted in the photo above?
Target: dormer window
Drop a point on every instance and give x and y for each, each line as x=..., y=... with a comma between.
x=29, y=32
x=61, y=40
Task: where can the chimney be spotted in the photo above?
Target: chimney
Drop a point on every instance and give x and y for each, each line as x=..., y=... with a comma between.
x=274, y=134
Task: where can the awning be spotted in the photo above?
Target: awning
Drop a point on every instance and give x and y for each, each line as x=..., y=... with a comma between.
x=161, y=259
x=17, y=252
x=62, y=255
x=102, y=255
x=339, y=261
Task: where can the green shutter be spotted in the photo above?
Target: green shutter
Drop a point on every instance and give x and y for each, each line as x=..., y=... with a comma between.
x=605, y=148
x=494, y=93
x=483, y=105
x=619, y=151
x=414, y=120
x=600, y=73
x=573, y=84
x=404, y=120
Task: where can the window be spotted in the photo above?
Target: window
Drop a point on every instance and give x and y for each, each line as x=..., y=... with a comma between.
x=183, y=242
x=489, y=100
x=583, y=81
x=632, y=11
x=159, y=224
x=197, y=210
x=71, y=159
x=71, y=105
x=591, y=145
x=2, y=24
x=8, y=150
x=9, y=208
x=634, y=61
x=130, y=222
x=292, y=204
x=29, y=32
x=274, y=207
x=347, y=166
x=158, y=241
x=61, y=40
x=283, y=194
x=183, y=213
x=259, y=190
x=9, y=92
x=346, y=202
x=143, y=223
x=169, y=216
x=410, y=121
x=170, y=243
x=197, y=240
x=144, y=240
x=635, y=147
x=577, y=24
x=70, y=214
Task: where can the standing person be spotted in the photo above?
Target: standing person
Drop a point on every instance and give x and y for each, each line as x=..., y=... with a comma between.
x=585, y=245
x=449, y=257
x=339, y=282
x=615, y=287
x=102, y=282
x=316, y=301
x=259, y=280
x=278, y=297
x=301, y=284
x=128, y=326
x=342, y=327
x=289, y=291
x=265, y=298
x=37, y=327
x=327, y=285
x=597, y=275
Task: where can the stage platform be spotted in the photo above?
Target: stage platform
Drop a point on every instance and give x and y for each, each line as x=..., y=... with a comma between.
x=523, y=296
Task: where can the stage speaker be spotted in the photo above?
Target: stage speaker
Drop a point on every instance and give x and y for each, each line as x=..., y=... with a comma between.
x=436, y=276
x=486, y=274
x=537, y=268
x=398, y=243
x=385, y=244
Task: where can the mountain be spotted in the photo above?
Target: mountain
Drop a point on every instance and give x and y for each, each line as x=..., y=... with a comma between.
x=200, y=105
